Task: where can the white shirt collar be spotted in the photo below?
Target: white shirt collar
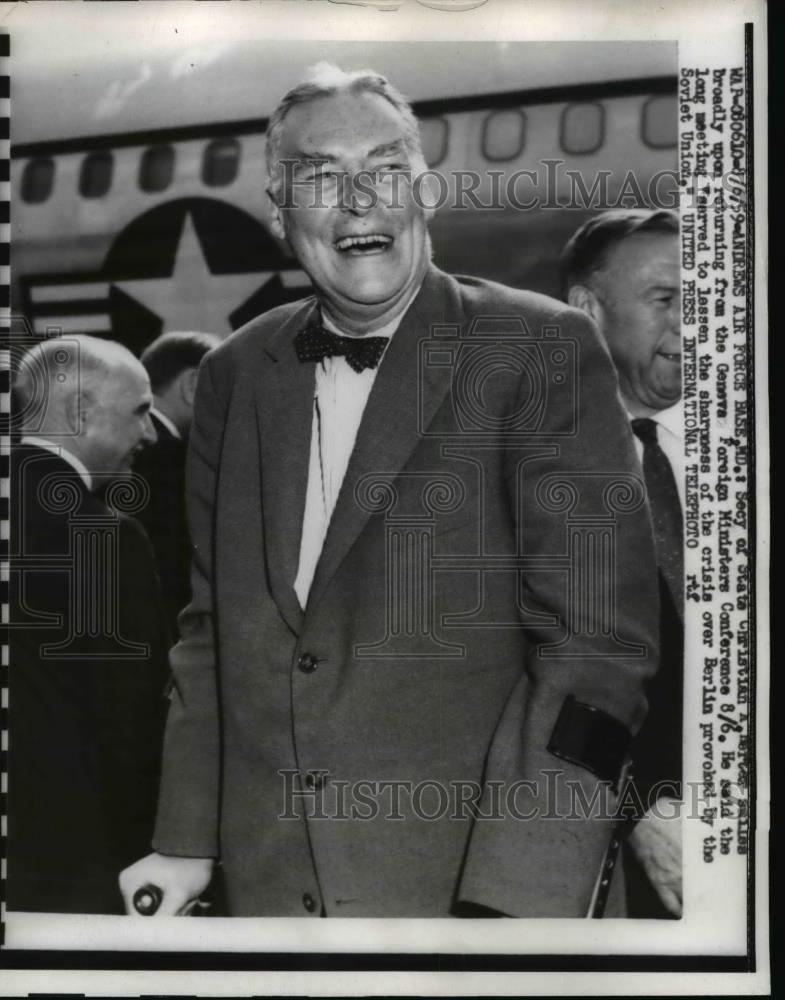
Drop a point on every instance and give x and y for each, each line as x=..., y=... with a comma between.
x=168, y=424
x=62, y=452
x=672, y=419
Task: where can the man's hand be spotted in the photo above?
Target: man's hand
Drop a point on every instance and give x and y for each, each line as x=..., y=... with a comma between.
x=181, y=880
x=656, y=843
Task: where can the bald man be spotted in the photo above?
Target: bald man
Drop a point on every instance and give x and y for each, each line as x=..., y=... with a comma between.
x=88, y=635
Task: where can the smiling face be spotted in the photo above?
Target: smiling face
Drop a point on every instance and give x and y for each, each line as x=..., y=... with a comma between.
x=639, y=314
x=362, y=239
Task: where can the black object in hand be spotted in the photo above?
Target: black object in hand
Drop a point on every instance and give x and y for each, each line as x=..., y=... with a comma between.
x=147, y=900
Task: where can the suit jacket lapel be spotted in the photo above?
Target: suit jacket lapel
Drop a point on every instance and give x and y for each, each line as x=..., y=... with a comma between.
x=398, y=407
x=284, y=407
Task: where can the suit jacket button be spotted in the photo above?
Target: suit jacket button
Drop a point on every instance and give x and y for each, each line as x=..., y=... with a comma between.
x=309, y=902
x=308, y=663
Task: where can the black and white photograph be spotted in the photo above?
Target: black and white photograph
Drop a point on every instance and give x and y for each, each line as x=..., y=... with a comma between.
x=385, y=481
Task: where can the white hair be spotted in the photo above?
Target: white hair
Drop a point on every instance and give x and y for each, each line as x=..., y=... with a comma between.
x=324, y=80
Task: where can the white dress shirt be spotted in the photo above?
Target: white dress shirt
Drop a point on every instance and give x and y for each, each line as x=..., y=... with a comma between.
x=61, y=452
x=670, y=437
x=340, y=397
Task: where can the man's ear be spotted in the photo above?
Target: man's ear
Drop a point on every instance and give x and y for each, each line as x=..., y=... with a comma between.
x=188, y=386
x=276, y=216
x=78, y=407
x=583, y=298
x=425, y=190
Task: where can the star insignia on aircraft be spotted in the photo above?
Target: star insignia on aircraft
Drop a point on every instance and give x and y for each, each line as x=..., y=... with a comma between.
x=192, y=297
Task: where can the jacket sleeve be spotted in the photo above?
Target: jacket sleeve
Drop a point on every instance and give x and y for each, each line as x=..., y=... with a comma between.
x=130, y=708
x=187, y=820
x=591, y=641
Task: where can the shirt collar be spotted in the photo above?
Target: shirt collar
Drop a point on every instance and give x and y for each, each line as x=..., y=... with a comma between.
x=168, y=424
x=672, y=419
x=62, y=452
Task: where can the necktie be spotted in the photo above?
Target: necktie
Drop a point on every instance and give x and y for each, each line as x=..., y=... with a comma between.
x=315, y=343
x=665, y=508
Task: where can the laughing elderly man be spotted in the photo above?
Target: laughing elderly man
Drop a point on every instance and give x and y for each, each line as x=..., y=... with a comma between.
x=391, y=487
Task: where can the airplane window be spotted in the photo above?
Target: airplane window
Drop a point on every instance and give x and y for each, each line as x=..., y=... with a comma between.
x=95, y=177
x=582, y=127
x=156, y=168
x=221, y=162
x=659, y=126
x=433, y=136
x=37, y=180
x=503, y=135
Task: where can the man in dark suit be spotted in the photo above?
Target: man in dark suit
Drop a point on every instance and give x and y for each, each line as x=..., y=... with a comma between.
x=88, y=639
x=393, y=626
x=622, y=268
x=171, y=362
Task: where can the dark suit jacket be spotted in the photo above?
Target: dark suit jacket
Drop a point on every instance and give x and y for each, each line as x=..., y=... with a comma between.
x=658, y=747
x=371, y=683
x=86, y=705
x=162, y=465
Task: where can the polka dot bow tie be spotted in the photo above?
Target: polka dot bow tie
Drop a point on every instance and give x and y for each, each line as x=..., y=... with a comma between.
x=315, y=343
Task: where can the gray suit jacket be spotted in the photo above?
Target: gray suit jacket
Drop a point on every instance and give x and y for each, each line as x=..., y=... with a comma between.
x=453, y=610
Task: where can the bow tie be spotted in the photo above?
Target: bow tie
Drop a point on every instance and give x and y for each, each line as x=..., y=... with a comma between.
x=315, y=343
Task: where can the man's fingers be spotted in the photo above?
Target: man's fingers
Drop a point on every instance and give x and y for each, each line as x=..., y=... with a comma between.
x=670, y=900
x=172, y=903
x=165, y=903
x=160, y=885
x=656, y=843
